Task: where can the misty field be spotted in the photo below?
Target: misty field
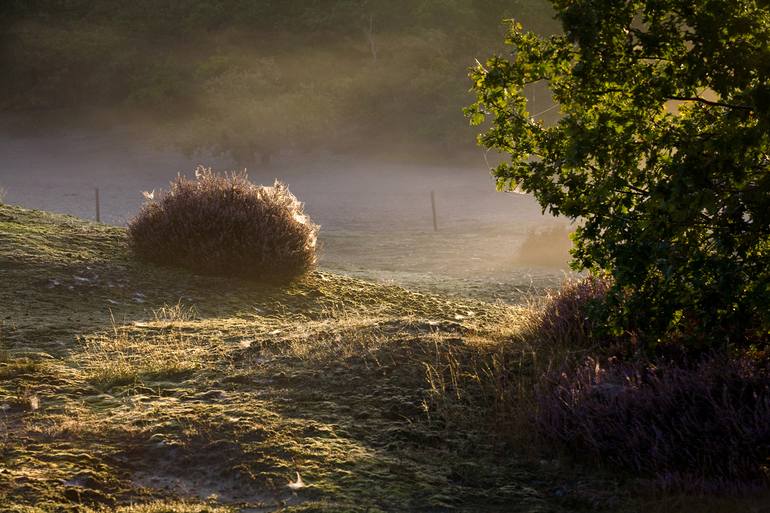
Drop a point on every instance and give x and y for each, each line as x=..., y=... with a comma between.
x=384, y=256
x=375, y=216
x=124, y=383
x=127, y=384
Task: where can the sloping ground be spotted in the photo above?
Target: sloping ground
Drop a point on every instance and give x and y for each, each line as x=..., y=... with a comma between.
x=128, y=384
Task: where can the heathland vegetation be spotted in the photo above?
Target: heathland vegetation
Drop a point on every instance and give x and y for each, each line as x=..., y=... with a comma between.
x=127, y=383
x=116, y=391
x=661, y=157
x=225, y=225
x=130, y=375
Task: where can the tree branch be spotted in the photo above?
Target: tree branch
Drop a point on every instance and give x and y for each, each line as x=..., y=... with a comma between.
x=684, y=99
x=708, y=102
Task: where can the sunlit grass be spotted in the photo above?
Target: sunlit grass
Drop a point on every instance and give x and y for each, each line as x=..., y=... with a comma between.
x=165, y=507
x=176, y=313
x=123, y=358
x=383, y=399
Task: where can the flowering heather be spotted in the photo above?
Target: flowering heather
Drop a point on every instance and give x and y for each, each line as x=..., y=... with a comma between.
x=565, y=318
x=223, y=224
x=704, y=426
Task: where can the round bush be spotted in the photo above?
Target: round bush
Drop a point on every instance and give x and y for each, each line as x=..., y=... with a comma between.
x=223, y=224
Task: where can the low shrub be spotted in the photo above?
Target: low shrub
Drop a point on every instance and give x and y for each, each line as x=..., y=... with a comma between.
x=703, y=426
x=565, y=321
x=225, y=225
x=684, y=422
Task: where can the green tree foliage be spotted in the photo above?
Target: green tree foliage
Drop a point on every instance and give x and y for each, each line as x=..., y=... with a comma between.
x=662, y=152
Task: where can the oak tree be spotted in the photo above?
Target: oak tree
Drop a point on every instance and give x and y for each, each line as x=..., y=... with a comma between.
x=660, y=152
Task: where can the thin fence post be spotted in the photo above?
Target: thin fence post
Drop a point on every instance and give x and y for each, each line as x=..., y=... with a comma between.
x=96, y=198
x=433, y=208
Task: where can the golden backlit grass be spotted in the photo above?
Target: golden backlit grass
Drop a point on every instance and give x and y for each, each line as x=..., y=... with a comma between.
x=121, y=358
x=159, y=391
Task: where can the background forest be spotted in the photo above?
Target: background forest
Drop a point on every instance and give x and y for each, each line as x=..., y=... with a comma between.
x=250, y=79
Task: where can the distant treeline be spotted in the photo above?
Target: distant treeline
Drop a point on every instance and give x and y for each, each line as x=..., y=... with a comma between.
x=251, y=78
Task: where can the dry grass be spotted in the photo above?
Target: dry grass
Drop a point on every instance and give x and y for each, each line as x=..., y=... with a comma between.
x=341, y=336
x=384, y=399
x=492, y=376
x=488, y=379
x=178, y=313
x=123, y=358
x=164, y=507
x=470, y=374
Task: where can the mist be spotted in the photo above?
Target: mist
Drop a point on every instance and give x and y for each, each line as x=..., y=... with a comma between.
x=356, y=106
x=402, y=326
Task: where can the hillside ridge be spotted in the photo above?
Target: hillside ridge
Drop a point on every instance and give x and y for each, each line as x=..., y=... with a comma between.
x=126, y=383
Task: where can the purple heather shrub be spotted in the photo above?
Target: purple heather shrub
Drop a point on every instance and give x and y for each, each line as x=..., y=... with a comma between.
x=704, y=425
x=565, y=319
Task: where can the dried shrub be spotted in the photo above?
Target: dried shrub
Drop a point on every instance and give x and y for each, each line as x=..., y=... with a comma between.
x=704, y=426
x=225, y=225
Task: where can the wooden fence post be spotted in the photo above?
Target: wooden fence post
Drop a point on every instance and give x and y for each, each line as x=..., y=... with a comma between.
x=433, y=208
x=96, y=198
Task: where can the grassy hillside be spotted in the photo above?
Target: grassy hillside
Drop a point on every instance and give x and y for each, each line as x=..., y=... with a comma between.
x=109, y=398
x=122, y=383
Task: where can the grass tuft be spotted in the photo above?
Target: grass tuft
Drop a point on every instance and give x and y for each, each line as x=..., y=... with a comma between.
x=178, y=313
x=121, y=358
